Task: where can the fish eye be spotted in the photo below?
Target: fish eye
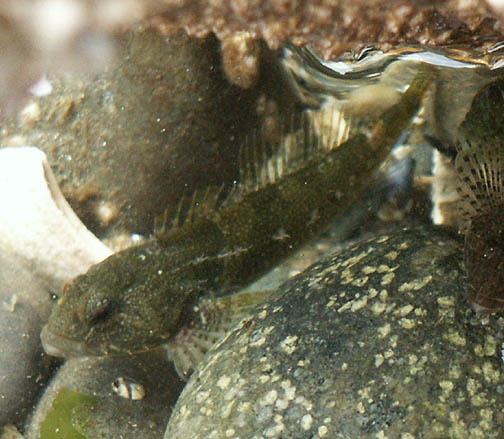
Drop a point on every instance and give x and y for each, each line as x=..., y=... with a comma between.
x=100, y=312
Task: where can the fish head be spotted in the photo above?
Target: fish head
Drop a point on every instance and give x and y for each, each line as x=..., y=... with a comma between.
x=130, y=302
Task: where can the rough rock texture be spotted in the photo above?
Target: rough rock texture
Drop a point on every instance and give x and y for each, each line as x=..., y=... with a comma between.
x=25, y=305
x=334, y=27
x=375, y=342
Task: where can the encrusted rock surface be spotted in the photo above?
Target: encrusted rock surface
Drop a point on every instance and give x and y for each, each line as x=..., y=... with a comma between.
x=377, y=341
x=334, y=27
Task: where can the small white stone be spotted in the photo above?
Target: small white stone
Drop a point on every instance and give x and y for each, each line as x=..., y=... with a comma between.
x=128, y=388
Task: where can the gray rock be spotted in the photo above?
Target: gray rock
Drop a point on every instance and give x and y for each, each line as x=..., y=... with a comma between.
x=24, y=367
x=127, y=144
x=108, y=414
x=377, y=341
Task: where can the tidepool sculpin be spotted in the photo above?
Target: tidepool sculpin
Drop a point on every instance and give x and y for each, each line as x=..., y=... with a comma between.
x=480, y=167
x=180, y=289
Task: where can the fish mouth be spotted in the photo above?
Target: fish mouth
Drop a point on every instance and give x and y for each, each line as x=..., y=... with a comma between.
x=60, y=346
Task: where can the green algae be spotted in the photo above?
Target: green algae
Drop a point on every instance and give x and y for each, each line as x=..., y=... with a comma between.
x=58, y=422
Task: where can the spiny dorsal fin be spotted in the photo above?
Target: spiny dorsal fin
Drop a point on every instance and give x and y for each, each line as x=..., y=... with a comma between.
x=263, y=160
x=480, y=156
x=199, y=204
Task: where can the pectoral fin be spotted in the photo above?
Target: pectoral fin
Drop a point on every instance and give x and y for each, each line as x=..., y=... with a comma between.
x=216, y=316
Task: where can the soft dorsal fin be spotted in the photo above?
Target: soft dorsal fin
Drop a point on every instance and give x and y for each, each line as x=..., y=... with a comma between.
x=480, y=156
x=264, y=158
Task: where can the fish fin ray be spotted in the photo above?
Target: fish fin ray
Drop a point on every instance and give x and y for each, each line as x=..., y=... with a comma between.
x=217, y=317
x=480, y=159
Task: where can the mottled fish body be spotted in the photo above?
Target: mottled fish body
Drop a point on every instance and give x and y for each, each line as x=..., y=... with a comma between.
x=480, y=167
x=180, y=288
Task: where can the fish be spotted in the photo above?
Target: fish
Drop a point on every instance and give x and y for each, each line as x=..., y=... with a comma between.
x=479, y=166
x=182, y=289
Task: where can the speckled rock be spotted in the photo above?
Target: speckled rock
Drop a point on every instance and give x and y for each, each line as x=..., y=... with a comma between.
x=377, y=341
x=110, y=414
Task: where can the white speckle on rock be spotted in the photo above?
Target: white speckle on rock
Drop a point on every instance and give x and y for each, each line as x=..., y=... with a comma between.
x=404, y=311
x=244, y=407
x=306, y=422
x=322, y=431
x=383, y=295
x=456, y=339
x=223, y=382
x=392, y=256
x=407, y=323
x=269, y=398
x=389, y=353
x=379, y=360
x=384, y=330
x=288, y=344
x=355, y=259
x=262, y=315
x=184, y=411
x=383, y=268
x=446, y=301
x=447, y=386
x=345, y=307
x=268, y=330
x=372, y=293
x=227, y=409
x=258, y=342
x=301, y=400
x=359, y=304
x=360, y=408
x=10, y=304
x=274, y=431
x=387, y=279
x=281, y=404
x=230, y=432
x=330, y=303
x=202, y=396
x=416, y=284
x=361, y=281
x=378, y=308
x=368, y=269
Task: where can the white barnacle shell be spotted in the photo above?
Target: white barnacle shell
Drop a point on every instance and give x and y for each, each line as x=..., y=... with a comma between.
x=128, y=388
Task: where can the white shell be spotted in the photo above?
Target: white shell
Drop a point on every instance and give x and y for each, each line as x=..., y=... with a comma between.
x=40, y=226
x=128, y=388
